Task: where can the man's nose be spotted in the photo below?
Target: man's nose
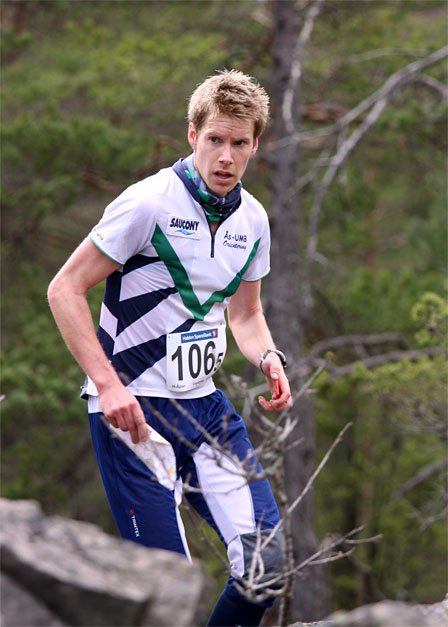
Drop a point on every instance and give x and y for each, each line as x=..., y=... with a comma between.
x=226, y=153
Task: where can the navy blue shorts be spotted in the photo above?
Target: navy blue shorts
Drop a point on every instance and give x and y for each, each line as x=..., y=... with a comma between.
x=147, y=512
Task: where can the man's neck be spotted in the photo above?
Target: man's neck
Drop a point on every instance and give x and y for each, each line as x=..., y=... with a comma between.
x=213, y=226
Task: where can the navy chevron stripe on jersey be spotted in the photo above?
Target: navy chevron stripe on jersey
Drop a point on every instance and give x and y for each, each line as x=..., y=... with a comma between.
x=112, y=293
x=134, y=308
x=132, y=362
x=106, y=341
x=138, y=261
x=113, y=281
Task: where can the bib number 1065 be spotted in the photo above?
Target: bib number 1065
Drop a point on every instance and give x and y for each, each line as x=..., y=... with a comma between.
x=193, y=357
x=196, y=361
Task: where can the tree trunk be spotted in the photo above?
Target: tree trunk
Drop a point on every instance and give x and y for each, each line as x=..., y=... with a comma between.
x=21, y=16
x=284, y=212
x=283, y=306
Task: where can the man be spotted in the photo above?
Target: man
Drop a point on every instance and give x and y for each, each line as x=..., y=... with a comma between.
x=178, y=249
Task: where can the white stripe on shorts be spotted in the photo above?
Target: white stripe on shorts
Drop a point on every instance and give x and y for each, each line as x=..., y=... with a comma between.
x=229, y=499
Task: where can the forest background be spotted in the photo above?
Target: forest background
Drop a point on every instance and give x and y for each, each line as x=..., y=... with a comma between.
x=93, y=98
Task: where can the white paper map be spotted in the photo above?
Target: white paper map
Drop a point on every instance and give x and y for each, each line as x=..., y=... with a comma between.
x=156, y=452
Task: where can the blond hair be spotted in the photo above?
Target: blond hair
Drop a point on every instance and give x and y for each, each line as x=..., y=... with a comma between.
x=231, y=93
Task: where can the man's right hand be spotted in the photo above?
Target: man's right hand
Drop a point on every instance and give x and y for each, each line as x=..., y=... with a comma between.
x=123, y=411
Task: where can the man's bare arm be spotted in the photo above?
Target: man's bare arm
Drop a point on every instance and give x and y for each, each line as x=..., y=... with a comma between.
x=87, y=267
x=251, y=332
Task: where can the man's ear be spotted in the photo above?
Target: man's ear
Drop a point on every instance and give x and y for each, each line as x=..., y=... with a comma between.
x=192, y=135
x=255, y=147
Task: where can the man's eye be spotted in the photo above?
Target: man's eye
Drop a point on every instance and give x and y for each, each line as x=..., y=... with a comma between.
x=213, y=139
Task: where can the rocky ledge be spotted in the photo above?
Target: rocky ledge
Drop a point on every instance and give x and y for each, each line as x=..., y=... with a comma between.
x=60, y=572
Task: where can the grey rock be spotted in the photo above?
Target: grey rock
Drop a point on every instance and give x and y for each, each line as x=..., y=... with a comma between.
x=20, y=609
x=387, y=614
x=86, y=577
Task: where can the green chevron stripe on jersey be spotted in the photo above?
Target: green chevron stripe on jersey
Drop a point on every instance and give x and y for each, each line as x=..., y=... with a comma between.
x=180, y=277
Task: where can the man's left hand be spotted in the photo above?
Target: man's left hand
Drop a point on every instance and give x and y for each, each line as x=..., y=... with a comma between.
x=278, y=385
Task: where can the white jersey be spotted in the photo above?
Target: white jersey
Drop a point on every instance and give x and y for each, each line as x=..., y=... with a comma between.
x=162, y=321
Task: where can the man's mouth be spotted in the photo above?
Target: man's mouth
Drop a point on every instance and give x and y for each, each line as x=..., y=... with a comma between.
x=222, y=175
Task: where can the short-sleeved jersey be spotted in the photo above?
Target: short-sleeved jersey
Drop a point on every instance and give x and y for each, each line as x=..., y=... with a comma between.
x=175, y=277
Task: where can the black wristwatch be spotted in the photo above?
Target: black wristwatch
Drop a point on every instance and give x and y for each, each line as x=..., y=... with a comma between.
x=273, y=350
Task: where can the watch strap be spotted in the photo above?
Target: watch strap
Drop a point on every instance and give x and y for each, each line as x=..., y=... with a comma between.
x=277, y=352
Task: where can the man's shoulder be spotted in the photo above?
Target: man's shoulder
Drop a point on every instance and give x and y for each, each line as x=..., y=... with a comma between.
x=253, y=207
x=155, y=184
x=147, y=195
x=250, y=200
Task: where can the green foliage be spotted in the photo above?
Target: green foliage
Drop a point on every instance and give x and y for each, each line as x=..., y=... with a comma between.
x=399, y=416
x=64, y=144
x=40, y=382
x=431, y=312
x=44, y=427
x=12, y=44
x=46, y=159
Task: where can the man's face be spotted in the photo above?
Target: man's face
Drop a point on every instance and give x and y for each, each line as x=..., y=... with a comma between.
x=222, y=148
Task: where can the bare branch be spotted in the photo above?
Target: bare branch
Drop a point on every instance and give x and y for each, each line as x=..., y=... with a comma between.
x=397, y=79
x=294, y=444
x=364, y=540
x=296, y=68
x=423, y=474
x=324, y=460
x=378, y=101
x=320, y=367
x=309, y=561
x=433, y=84
x=432, y=519
x=353, y=340
x=426, y=521
x=256, y=570
x=286, y=510
x=381, y=360
x=386, y=52
x=315, y=558
x=312, y=173
x=332, y=558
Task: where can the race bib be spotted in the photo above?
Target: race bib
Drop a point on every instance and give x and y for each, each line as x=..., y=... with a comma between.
x=193, y=357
